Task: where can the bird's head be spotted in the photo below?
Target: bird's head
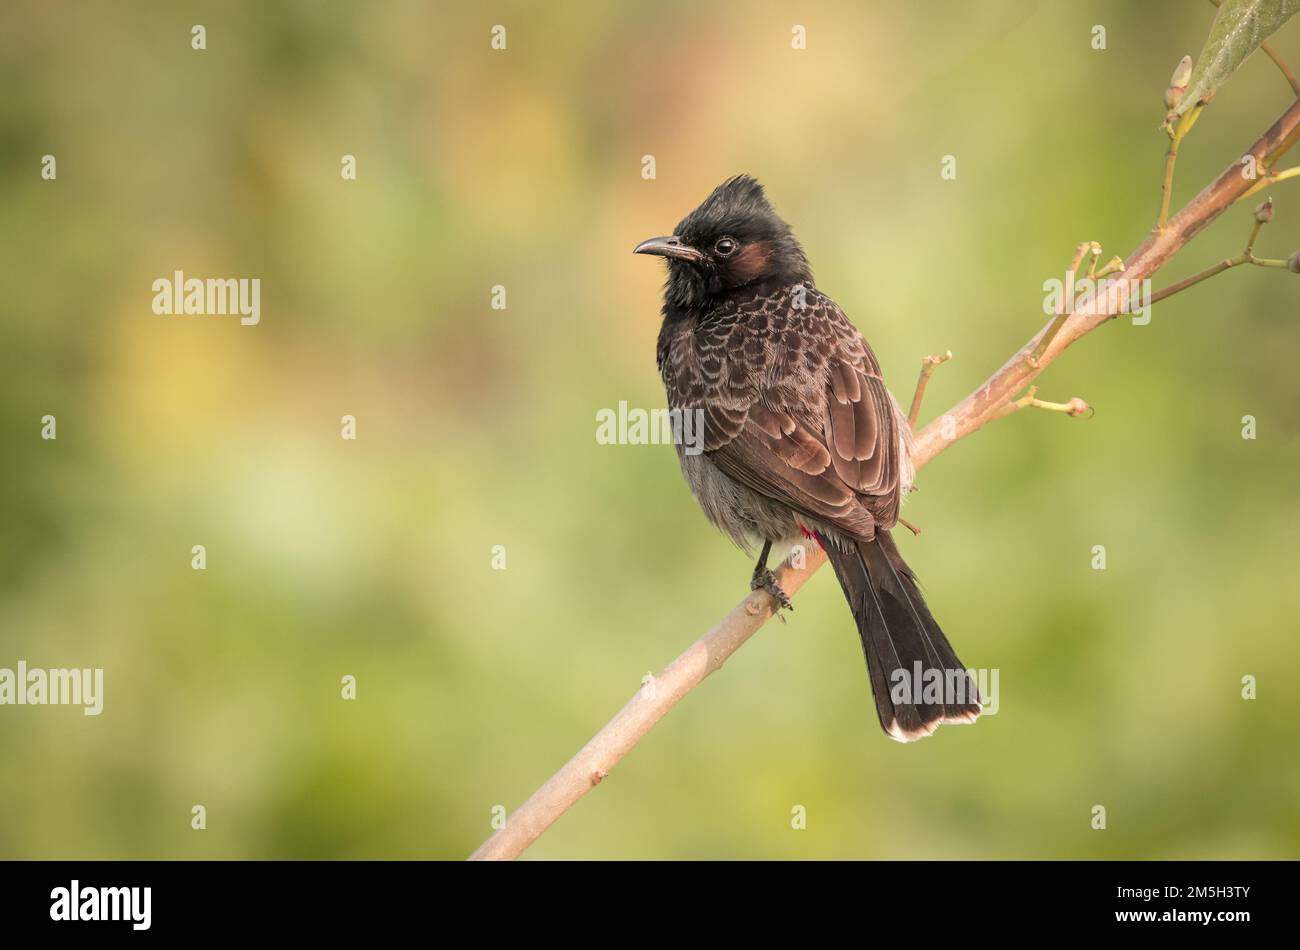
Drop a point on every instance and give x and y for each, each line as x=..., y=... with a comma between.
x=730, y=241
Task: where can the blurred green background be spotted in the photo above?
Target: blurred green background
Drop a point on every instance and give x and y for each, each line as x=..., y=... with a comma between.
x=476, y=428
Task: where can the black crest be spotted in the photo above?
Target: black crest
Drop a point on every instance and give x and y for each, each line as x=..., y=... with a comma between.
x=740, y=240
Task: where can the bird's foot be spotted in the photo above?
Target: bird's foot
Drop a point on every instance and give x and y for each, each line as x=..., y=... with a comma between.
x=766, y=580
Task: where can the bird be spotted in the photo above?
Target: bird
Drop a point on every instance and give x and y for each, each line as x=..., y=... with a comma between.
x=801, y=438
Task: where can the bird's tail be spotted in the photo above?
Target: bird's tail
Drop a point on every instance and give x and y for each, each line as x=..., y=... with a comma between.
x=916, y=678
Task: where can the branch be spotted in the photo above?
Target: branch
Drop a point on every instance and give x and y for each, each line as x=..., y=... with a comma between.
x=1075, y=407
x=1272, y=178
x=595, y=760
x=1064, y=309
x=1290, y=76
x=979, y=407
x=928, y=365
x=1171, y=157
x=1263, y=215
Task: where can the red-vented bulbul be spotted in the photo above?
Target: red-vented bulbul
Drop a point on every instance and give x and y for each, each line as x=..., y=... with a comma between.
x=800, y=435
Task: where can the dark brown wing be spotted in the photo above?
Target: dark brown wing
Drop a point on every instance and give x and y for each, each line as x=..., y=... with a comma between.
x=794, y=407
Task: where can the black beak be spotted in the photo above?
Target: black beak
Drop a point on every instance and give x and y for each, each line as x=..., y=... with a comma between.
x=670, y=246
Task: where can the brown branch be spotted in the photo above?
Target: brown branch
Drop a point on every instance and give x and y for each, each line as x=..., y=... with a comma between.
x=599, y=756
x=1290, y=76
x=595, y=760
x=977, y=408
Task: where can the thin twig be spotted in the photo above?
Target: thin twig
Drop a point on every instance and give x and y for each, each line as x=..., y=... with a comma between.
x=1271, y=179
x=1092, y=264
x=1114, y=265
x=1075, y=407
x=1290, y=76
x=1218, y=268
x=1171, y=157
x=928, y=365
x=1065, y=308
x=1206, y=274
x=1263, y=214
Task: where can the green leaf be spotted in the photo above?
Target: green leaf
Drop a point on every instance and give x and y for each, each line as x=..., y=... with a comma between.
x=1238, y=29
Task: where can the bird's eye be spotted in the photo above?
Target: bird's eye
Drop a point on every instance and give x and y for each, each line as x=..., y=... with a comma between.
x=725, y=247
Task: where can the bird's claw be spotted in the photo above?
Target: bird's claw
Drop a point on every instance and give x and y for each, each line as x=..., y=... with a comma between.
x=766, y=580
